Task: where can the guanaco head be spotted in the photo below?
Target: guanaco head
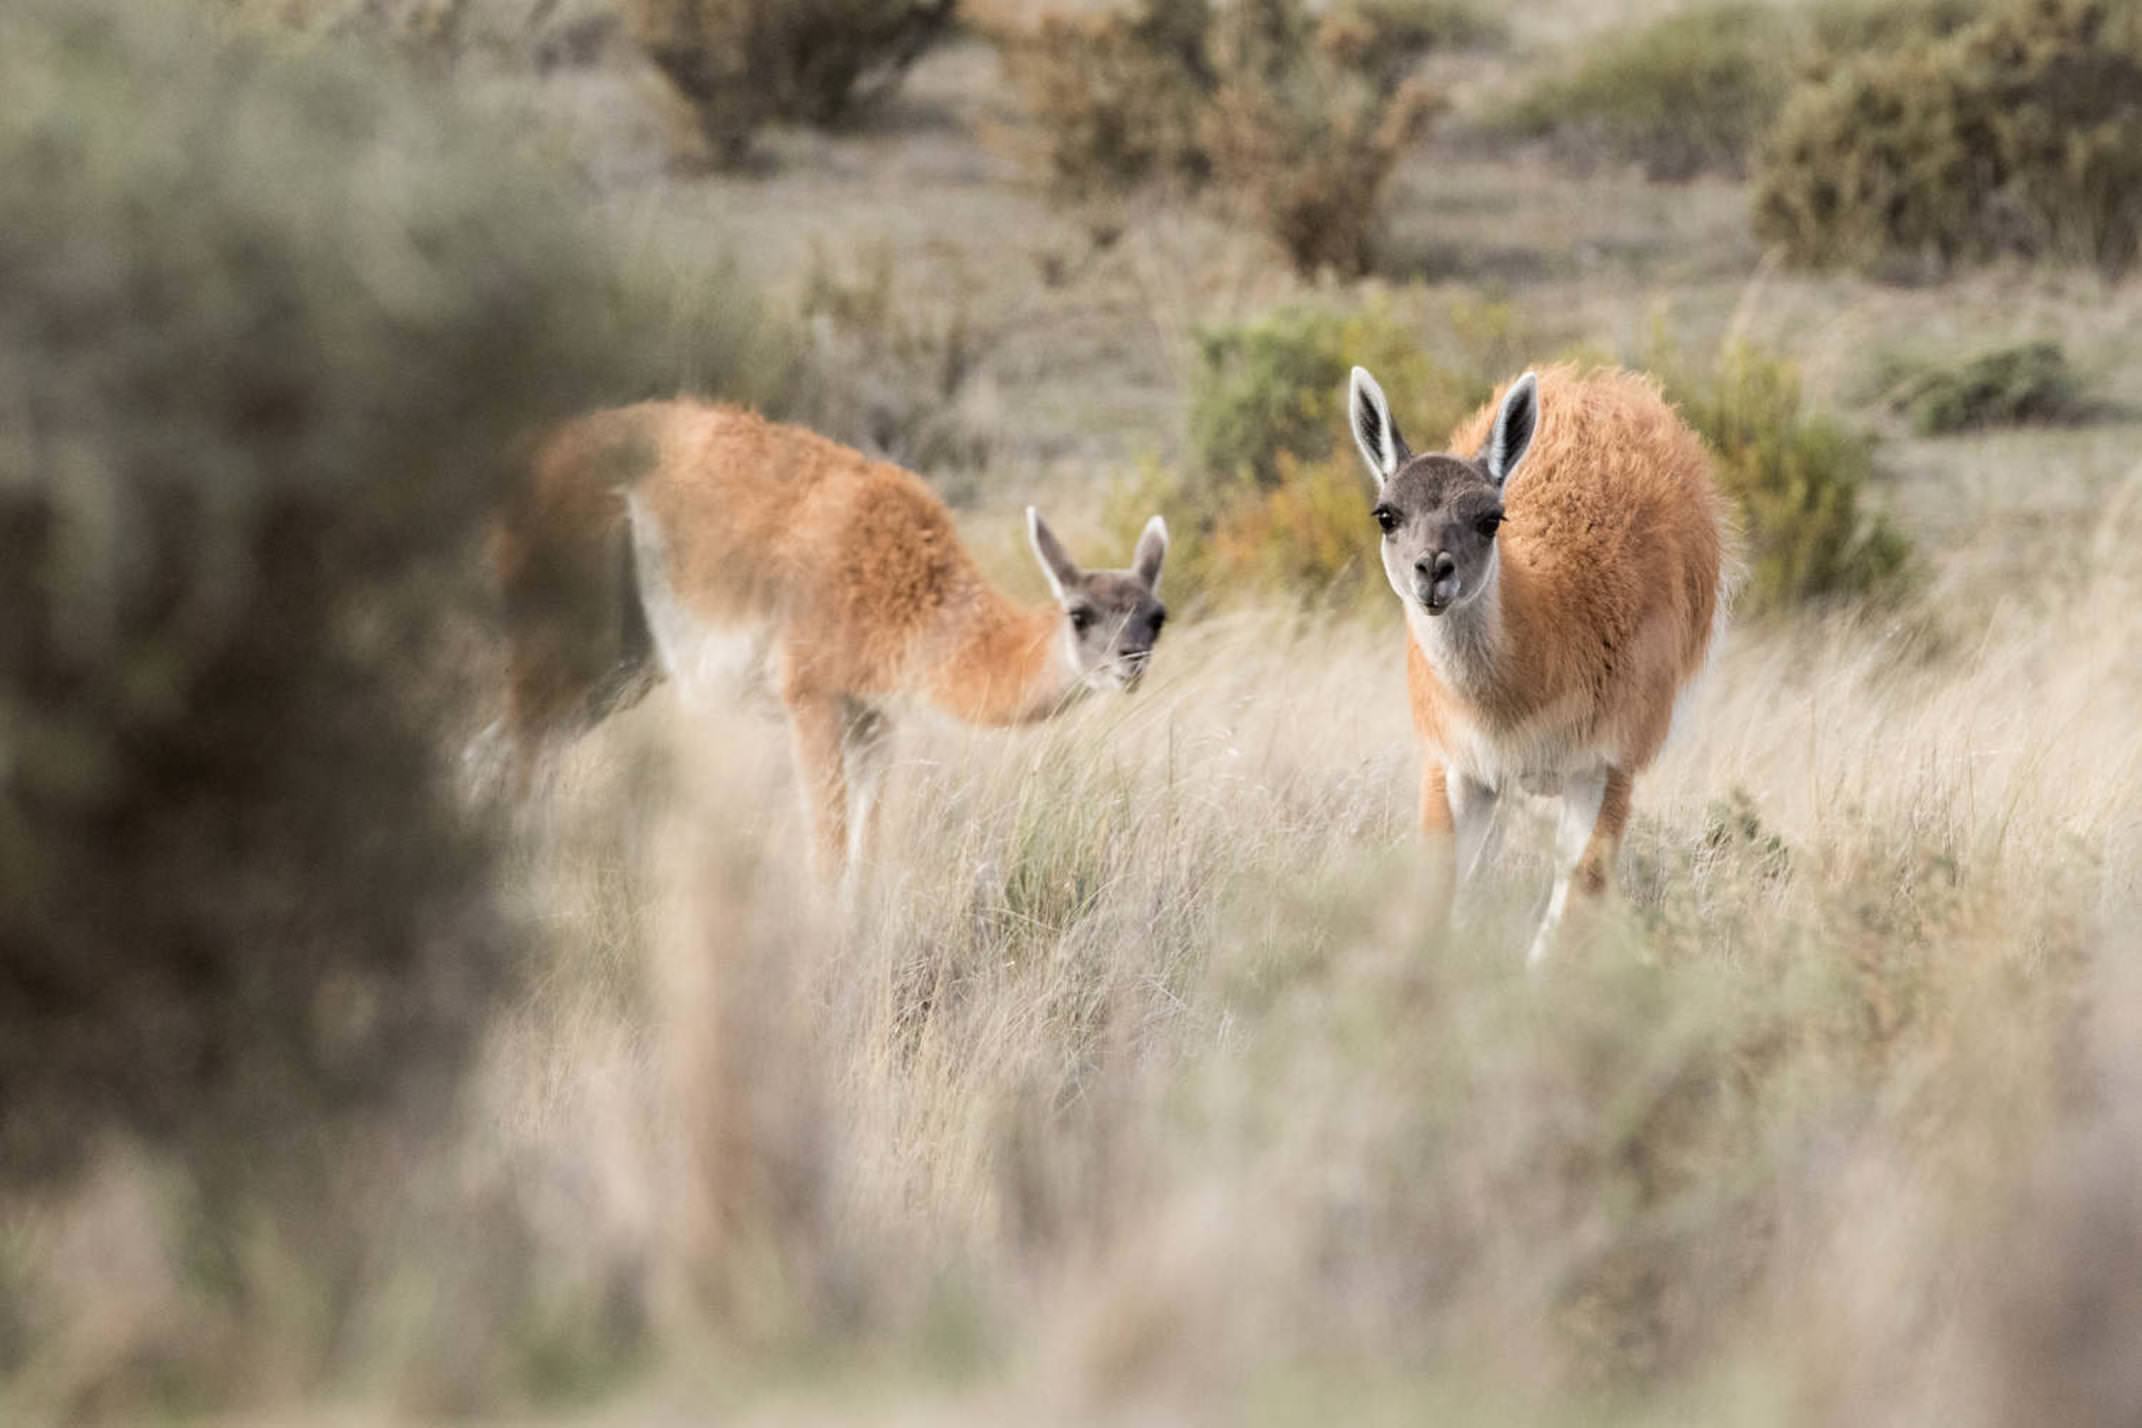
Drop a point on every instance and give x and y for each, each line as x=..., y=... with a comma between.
x=1439, y=513
x=1112, y=618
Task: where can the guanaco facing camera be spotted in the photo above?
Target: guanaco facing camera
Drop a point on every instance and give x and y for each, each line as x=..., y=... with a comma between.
x=1562, y=570
x=739, y=552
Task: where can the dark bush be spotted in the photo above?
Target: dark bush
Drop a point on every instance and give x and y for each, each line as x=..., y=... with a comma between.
x=1297, y=115
x=737, y=64
x=1688, y=94
x=2021, y=134
x=1308, y=120
x=2006, y=386
x=1117, y=95
x=269, y=329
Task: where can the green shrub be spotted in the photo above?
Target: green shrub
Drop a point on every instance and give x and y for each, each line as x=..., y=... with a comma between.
x=1796, y=480
x=1306, y=534
x=2007, y=386
x=1688, y=94
x=270, y=329
x=736, y=64
x=1297, y=115
x=2021, y=134
x=1276, y=387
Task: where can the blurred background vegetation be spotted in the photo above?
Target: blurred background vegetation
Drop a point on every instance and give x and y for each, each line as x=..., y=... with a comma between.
x=1139, y=1092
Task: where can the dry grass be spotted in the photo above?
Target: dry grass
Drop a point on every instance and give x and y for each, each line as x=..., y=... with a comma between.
x=1137, y=1087
x=1137, y=1090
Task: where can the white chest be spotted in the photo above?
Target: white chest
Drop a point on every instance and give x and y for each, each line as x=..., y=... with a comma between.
x=1539, y=752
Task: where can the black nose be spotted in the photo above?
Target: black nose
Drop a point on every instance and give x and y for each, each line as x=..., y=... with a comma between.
x=1441, y=568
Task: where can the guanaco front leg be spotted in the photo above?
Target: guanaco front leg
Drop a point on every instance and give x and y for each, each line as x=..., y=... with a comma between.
x=817, y=725
x=1595, y=809
x=1474, y=808
x=1458, y=815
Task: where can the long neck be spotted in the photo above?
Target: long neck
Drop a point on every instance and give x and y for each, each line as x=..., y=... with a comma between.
x=1002, y=663
x=1466, y=647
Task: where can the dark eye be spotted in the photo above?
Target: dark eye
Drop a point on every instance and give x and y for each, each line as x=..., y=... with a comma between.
x=1082, y=620
x=1488, y=524
x=1386, y=518
x=1160, y=617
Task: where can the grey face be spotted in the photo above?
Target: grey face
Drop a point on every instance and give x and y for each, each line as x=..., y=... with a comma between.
x=1439, y=514
x=1112, y=618
x=1115, y=622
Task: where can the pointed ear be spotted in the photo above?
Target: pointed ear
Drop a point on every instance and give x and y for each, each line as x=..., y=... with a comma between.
x=1152, y=550
x=1056, y=563
x=1511, y=435
x=1374, y=432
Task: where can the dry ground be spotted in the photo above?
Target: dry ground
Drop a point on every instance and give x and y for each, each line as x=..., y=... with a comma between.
x=1137, y=1089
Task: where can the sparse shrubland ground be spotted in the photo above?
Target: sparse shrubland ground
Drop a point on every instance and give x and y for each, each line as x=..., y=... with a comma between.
x=1136, y=1089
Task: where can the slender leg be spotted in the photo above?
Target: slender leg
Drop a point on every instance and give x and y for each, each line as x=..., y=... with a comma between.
x=816, y=726
x=1474, y=808
x=1595, y=808
x=866, y=738
x=1595, y=868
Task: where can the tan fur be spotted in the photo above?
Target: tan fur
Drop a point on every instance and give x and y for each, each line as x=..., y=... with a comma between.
x=1611, y=554
x=1611, y=557
x=848, y=569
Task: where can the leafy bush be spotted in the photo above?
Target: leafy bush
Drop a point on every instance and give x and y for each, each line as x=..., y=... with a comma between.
x=2007, y=386
x=1688, y=94
x=1796, y=479
x=1297, y=114
x=737, y=64
x=1306, y=534
x=269, y=330
x=2021, y=134
x=1276, y=387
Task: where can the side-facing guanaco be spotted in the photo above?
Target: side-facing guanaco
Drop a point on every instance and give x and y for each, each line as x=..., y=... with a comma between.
x=1561, y=570
x=742, y=553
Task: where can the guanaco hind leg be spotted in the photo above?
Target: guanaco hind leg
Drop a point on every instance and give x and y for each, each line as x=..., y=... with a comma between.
x=817, y=726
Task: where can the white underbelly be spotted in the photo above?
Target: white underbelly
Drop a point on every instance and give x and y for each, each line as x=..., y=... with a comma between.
x=706, y=659
x=1536, y=759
